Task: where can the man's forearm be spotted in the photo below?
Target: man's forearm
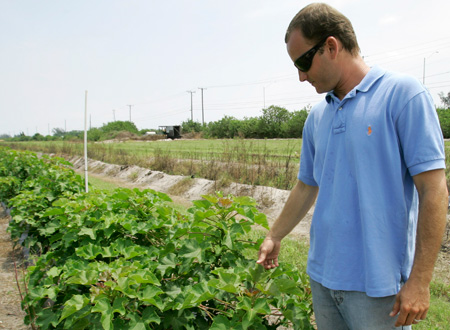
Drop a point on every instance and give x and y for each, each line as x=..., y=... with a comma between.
x=300, y=200
x=433, y=205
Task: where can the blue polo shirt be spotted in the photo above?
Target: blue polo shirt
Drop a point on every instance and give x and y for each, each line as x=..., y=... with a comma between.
x=362, y=152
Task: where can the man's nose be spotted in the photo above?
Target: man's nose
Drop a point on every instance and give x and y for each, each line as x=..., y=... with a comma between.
x=302, y=76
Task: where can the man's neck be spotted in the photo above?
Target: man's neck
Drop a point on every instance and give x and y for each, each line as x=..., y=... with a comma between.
x=353, y=71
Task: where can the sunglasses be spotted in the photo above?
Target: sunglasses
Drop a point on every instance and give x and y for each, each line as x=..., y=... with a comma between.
x=304, y=62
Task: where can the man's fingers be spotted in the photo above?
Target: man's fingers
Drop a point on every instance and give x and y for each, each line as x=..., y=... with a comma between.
x=396, y=308
x=262, y=257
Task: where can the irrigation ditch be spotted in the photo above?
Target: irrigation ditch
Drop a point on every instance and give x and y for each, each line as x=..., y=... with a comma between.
x=184, y=189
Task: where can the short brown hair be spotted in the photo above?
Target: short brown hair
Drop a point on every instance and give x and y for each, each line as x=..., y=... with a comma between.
x=319, y=20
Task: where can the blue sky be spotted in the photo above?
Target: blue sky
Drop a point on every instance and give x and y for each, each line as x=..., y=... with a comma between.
x=148, y=54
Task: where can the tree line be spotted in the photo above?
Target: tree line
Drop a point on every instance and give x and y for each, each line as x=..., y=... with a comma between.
x=274, y=122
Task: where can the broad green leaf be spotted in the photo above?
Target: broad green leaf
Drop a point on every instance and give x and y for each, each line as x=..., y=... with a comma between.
x=210, y=198
x=122, y=195
x=227, y=241
x=258, y=273
x=202, y=292
x=150, y=291
x=89, y=251
x=221, y=323
x=144, y=276
x=200, y=215
x=87, y=231
x=150, y=316
x=261, y=219
x=73, y=305
x=123, y=285
x=53, y=211
x=167, y=262
x=54, y=272
x=282, y=285
x=244, y=201
x=84, y=277
x=227, y=281
x=119, y=305
x=259, y=306
x=47, y=317
x=191, y=249
x=103, y=306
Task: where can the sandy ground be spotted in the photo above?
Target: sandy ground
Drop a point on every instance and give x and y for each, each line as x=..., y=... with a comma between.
x=11, y=315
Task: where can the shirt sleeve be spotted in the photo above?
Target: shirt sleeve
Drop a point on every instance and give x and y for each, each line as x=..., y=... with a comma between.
x=306, y=172
x=420, y=135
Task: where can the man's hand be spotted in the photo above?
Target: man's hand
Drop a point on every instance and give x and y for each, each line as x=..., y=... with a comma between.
x=268, y=253
x=411, y=304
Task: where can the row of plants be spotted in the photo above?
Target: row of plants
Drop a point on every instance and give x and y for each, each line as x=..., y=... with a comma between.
x=126, y=259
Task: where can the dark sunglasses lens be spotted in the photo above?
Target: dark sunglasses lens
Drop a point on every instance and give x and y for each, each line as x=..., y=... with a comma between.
x=303, y=63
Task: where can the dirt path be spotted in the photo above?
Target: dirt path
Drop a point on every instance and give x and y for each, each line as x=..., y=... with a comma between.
x=11, y=315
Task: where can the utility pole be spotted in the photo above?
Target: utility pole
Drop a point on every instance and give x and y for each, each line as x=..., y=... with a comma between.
x=203, y=110
x=192, y=111
x=114, y=114
x=130, y=105
x=424, y=59
x=65, y=125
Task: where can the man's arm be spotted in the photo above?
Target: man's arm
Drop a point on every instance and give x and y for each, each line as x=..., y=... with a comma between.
x=300, y=200
x=413, y=300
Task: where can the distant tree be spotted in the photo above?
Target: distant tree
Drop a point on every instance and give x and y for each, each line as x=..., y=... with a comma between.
x=74, y=135
x=273, y=122
x=38, y=137
x=95, y=134
x=120, y=126
x=50, y=138
x=58, y=132
x=250, y=128
x=190, y=126
x=445, y=99
x=295, y=125
x=226, y=128
x=5, y=136
x=444, y=120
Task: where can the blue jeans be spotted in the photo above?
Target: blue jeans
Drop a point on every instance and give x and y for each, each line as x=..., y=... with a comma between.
x=351, y=310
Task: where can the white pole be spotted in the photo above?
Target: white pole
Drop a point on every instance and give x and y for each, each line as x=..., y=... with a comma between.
x=85, y=144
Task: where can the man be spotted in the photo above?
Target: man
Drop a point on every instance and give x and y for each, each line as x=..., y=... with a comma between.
x=373, y=161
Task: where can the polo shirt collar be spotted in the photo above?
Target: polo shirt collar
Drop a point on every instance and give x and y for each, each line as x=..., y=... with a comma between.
x=370, y=78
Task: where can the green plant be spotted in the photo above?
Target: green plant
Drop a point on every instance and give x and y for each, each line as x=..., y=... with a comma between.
x=126, y=259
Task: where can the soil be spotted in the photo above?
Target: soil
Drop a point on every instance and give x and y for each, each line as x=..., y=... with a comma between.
x=182, y=190
x=11, y=314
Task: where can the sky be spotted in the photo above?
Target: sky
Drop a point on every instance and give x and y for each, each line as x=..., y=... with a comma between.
x=141, y=59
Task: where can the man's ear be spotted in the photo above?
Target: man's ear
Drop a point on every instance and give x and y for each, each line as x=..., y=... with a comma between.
x=332, y=46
